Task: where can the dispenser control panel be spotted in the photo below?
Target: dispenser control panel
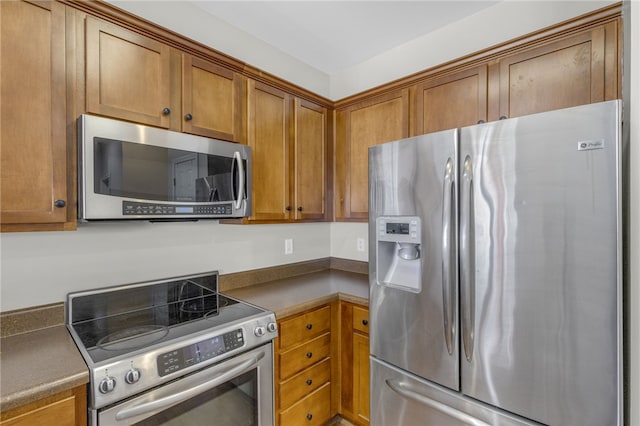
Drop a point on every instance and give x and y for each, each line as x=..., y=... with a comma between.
x=401, y=229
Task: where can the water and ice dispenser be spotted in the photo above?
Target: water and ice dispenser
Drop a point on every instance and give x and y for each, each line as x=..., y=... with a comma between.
x=399, y=252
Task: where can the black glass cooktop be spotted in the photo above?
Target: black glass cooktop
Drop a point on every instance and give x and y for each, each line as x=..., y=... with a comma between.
x=118, y=321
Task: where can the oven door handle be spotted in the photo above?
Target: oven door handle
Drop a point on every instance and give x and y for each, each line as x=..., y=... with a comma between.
x=176, y=398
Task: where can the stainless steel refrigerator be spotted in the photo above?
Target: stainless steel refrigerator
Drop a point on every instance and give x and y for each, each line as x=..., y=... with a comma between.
x=495, y=273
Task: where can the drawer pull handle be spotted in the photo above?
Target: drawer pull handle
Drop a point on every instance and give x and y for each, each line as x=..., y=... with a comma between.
x=309, y=416
x=309, y=381
x=309, y=326
x=365, y=322
x=309, y=354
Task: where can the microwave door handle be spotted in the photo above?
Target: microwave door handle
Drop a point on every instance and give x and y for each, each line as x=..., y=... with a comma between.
x=240, y=170
x=168, y=401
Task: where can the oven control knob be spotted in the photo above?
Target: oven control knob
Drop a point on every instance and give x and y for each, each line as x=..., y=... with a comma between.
x=259, y=331
x=132, y=376
x=272, y=327
x=107, y=384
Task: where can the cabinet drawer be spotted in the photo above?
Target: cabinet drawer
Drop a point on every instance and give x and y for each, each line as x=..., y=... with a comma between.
x=315, y=409
x=304, y=383
x=361, y=319
x=303, y=356
x=296, y=330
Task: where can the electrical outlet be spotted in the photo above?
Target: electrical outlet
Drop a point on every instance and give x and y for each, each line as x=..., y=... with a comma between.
x=360, y=244
x=288, y=246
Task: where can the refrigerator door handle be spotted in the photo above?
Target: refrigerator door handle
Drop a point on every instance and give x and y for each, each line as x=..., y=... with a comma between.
x=448, y=260
x=467, y=258
x=408, y=391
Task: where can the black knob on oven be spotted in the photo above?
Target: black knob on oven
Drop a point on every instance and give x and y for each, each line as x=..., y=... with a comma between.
x=132, y=376
x=365, y=322
x=60, y=203
x=309, y=381
x=166, y=111
x=309, y=416
x=272, y=327
x=188, y=117
x=309, y=354
x=107, y=384
x=309, y=326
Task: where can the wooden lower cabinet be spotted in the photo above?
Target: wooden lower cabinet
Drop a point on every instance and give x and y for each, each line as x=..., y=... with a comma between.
x=305, y=370
x=68, y=408
x=354, y=358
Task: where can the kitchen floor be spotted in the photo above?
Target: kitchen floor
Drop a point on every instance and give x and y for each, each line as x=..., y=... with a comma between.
x=339, y=421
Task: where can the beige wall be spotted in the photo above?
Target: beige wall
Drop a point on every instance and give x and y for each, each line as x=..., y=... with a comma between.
x=42, y=267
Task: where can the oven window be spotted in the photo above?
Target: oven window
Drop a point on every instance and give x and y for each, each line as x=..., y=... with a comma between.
x=233, y=403
x=147, y=172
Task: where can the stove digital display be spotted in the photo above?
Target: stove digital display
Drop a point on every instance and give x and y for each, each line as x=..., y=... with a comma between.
x=170, y=362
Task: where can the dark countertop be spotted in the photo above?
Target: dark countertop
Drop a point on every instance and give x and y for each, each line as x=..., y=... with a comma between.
x=290, y=296
x=37, y=364
x=42, y=362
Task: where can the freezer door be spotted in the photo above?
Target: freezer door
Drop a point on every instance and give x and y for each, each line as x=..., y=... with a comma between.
x=399, y=398
x=540, y=265
x=415, y=326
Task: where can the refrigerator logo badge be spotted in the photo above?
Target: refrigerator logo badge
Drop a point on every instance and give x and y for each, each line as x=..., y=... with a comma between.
x=587, y=145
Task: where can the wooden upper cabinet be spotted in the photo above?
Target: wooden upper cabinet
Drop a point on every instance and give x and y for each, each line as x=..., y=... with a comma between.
x=288, y=140
x=211, y=100
x=127, y=75
x=455, y=100
x=310, y=160
x=269, y=110
x=33, y=139
x=572, y=71
x=372, y=122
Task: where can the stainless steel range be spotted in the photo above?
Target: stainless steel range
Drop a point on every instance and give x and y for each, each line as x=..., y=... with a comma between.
x=174, y=351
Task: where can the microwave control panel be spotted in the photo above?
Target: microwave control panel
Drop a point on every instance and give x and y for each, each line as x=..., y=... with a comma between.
x=132, y=208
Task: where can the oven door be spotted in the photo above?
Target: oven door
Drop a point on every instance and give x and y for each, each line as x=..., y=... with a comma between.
x=238, y=391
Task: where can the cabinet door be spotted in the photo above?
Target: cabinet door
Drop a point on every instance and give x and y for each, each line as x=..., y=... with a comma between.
x=33, y=173
x=127, y=75
x=573, y=71
x=361, y=377
x=455, y=100
x=268, y=137
x=211, y=100
x=310, y=151
x=383, y=119
x=67, y=408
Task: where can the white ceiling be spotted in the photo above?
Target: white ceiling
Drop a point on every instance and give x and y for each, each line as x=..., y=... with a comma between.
x=332, y=36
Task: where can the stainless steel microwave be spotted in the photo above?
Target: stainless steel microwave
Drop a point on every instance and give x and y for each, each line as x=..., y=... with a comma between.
x=130, y=171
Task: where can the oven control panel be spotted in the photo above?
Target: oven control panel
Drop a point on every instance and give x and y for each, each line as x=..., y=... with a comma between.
x=170, y=362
